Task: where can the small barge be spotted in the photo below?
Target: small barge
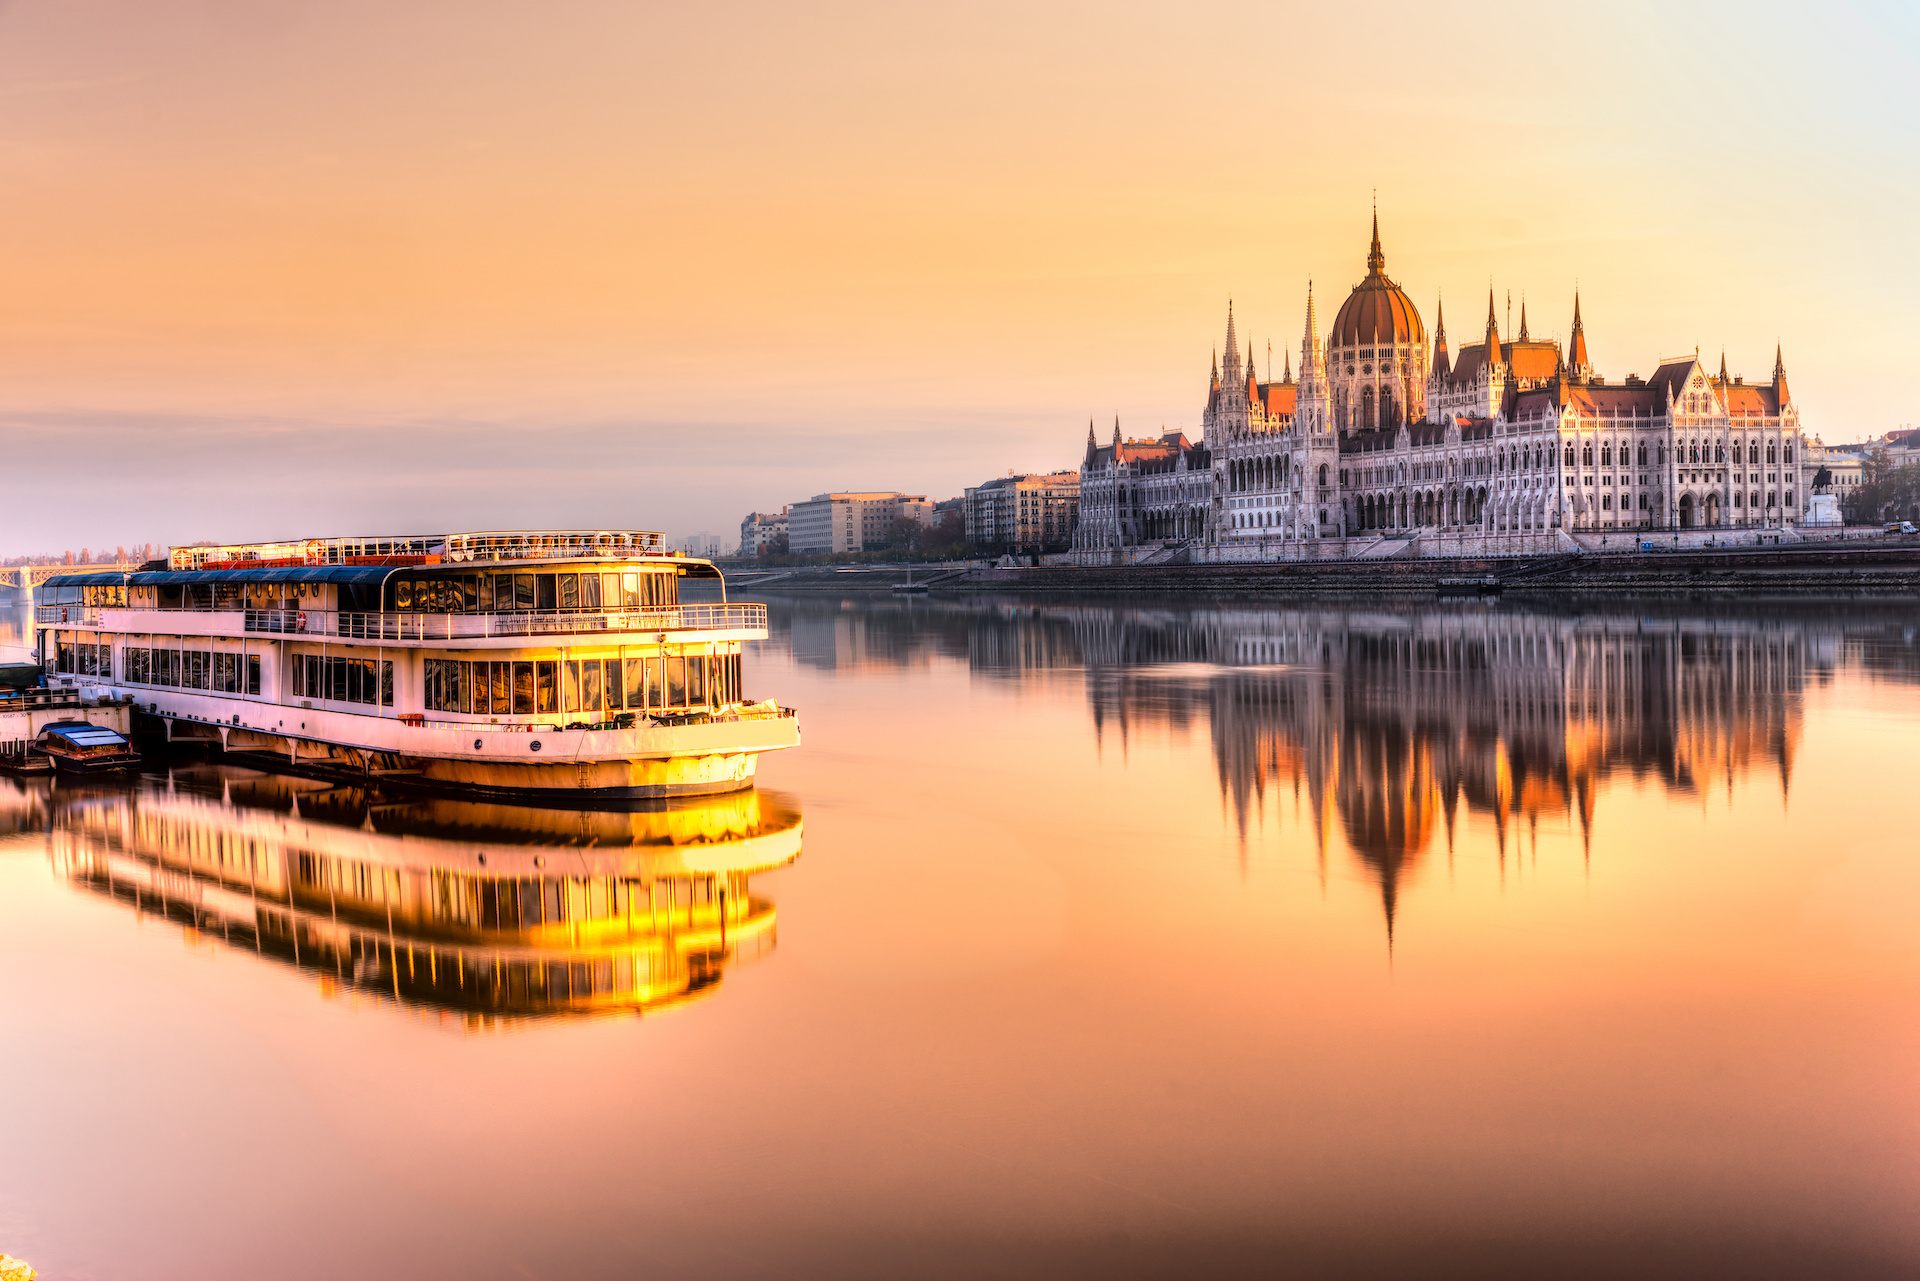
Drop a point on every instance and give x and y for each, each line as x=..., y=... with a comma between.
x=80, y=747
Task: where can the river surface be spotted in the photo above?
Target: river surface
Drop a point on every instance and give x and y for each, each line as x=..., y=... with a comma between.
x=1081, y=937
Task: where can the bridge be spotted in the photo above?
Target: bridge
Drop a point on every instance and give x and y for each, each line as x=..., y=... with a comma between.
x=31, y=576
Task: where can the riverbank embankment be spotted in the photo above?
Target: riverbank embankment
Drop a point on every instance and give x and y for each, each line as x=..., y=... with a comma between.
x=1878, y=571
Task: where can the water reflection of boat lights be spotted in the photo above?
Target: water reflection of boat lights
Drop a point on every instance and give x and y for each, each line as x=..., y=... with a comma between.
x=514, y=913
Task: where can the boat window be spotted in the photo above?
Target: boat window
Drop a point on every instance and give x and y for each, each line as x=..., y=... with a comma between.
x=403, y=594
x=630, y=589
x=610, y=591
x=696, y=680
x=523, y=591
x=614, y=701
x=546, y=598
x=469, y=594
x=340, y=680
x=636, y=683
x=523, y=684
x=569, y=591
x=484, y=593
x=676, y=681
x=589, y=591
x=590, y=686
x=547, y=687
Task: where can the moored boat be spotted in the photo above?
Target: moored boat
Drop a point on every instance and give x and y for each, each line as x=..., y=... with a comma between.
x=79, y=747
x=504, y=663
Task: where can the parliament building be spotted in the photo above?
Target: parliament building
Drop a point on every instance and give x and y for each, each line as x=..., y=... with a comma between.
x=1390, y=439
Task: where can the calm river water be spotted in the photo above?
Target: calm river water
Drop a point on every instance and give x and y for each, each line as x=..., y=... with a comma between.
x=1081, y=937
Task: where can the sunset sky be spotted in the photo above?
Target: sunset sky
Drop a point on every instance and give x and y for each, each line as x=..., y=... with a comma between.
x=274, y=268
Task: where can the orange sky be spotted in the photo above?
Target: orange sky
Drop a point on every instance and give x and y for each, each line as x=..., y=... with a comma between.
x=420, y=265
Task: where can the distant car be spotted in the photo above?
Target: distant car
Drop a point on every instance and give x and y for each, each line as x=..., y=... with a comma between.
x=1899, y=527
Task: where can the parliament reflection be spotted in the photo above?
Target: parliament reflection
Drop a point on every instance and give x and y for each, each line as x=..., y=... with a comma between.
x=481, y=913
x=1388, y=723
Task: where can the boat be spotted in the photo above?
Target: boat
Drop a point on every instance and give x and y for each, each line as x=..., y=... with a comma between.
x=1476, y=585
x=503, y=663
x=80, y=747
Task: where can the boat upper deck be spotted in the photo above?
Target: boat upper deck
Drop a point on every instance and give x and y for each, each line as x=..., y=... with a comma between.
x=462, y=587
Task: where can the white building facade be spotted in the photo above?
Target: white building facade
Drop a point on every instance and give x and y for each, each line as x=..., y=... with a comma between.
x=1388, y=436
x=851, y=522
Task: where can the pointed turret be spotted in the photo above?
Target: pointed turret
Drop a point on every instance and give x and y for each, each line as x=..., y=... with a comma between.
x=1722, y=377
x=1493, y=332
x=1216, y=370
x=1287, y=379
x=1116, y=436
x=1442, y=366
x=1577, y=353
x=1523, y=318
x=1310, y=356
x=1231, y=374
x=1253, y=377
x=1780, y=378
x=1376, y=261
x=1092, y=445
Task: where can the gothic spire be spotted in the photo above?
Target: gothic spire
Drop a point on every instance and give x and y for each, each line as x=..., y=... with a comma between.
x=1231, y=372
x=1253, y=374
x=1439, y=320
x=1577, y=349
x=1523, y=318
x=1779, y=365
x=1288, y=357
x=1723, y=367
x=1116, y=433
x=1493, y=330
x=1780, y=393
x=1376, y=261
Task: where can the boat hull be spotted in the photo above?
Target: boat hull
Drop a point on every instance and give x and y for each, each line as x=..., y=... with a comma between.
x=647, y=761
x=94, y=766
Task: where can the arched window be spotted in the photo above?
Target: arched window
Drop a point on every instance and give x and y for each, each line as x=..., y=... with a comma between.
x=1366, y=407
x=1770, y=451
x=1787, y=454
x=1586, y=453
x=1606, y=454
x=1753, y=453
x=1323, y=480
x=1643, y=455
x=1720, y=452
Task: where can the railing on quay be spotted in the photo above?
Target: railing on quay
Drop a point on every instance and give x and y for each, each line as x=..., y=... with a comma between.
x=423, y=627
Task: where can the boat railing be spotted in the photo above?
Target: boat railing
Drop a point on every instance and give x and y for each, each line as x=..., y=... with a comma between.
x=73, y=615
x=42, y=699
x=748, y=616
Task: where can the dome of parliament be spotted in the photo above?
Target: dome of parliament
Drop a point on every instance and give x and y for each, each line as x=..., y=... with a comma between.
x=1377, y=311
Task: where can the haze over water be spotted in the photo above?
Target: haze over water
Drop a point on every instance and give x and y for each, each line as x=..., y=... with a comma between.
x=1125, y=938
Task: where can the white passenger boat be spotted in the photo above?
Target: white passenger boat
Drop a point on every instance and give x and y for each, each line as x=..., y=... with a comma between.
x=505, y=663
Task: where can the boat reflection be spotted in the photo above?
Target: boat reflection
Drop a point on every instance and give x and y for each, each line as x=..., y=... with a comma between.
x=480, y=913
